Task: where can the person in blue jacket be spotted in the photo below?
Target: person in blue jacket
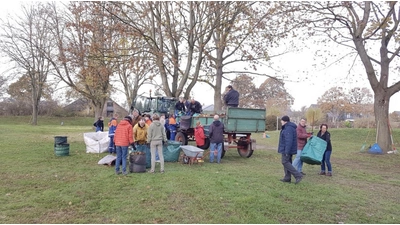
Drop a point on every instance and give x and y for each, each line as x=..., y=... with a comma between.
x=231, y=98
x=112, y=126
x=288, y=147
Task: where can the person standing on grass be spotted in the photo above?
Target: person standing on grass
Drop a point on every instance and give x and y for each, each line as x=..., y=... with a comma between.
x=135, y=117
x=216, y=133
x=140, y=135
x=99, y=124
x=123, y=138
x=112, y=125
x=156, y=137
x=302, y=136
x=326, y=159
x=288, y=147
x=199, y=136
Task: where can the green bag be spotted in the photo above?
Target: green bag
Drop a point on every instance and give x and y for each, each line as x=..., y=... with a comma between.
x=313, y=151
x=172, y=151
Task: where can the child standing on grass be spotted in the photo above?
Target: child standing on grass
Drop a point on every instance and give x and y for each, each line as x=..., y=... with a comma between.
x=99, y=124
x=112, y=125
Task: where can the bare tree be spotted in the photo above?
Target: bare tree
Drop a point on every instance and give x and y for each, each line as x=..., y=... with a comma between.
x=274, y=95
x=25, y=40
x=369, y=29
x=86, y=38
x=133, y=67
x=174, y=33
x=360, y=100
x=243, y=34
x=334, y=102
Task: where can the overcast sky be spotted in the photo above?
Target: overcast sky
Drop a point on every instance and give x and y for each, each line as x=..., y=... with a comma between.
x=304, y=80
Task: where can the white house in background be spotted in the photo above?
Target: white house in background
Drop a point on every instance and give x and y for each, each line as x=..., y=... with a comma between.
x=208, y=108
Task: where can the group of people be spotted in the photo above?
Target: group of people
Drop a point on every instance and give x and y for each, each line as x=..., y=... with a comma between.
x=143, y=132
x=140, y=133
x=292, y=140
x=186, y=107
x=216, y=137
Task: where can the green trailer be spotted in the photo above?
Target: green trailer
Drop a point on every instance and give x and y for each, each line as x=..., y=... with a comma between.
x=239, y=124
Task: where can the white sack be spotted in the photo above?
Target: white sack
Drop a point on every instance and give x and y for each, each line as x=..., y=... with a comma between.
x=96, y=142
x=107, y=160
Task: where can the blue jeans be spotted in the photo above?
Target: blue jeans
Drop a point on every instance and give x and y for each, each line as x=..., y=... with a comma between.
x=213, y=147
x=122, y=154
x=111, y=146
x=172, y=132
x=326, y=159
x=297, y=163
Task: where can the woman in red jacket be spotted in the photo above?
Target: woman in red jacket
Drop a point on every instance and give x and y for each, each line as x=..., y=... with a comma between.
x=200, y=136
x=123, y=137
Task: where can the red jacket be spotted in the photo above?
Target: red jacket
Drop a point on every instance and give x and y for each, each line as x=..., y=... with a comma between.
x=199, y=135
x=123, y=134
x=301, y=137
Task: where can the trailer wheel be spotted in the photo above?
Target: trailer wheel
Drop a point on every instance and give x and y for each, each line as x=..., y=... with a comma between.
x=185, y=159
x=206, y=144
x=181, y=137
x=244, y=148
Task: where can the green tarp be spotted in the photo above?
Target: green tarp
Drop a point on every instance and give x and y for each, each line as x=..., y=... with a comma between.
x=313, y=151
x=171, y=153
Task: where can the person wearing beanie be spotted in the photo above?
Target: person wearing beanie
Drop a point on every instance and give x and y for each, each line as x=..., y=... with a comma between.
x=288, y=147
x=123, y=137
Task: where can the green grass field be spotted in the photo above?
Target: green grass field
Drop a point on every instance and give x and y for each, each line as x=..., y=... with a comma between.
x=39, y=187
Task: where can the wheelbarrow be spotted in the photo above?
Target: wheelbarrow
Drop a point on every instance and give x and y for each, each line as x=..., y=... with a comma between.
x=192, y=154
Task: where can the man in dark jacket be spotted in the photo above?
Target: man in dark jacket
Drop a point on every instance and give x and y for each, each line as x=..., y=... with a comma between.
x=180, y=107
x=231, y=98
x=195, y=107
x=216, y=133
x=288, y=147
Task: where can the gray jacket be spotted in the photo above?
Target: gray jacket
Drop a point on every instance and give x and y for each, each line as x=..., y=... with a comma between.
x=156, y=132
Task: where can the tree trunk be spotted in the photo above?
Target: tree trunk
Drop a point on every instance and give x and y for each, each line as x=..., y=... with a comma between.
x=217, y=87
x=98, y=108
x=381, y=110
x=34, y=112
x=35, y=106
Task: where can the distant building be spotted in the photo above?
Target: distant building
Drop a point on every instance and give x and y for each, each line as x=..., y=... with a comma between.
x=83, y=107
x=208, y=108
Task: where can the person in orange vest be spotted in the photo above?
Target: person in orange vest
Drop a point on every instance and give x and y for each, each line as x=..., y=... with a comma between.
x=172, y=127
x=147, y=118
